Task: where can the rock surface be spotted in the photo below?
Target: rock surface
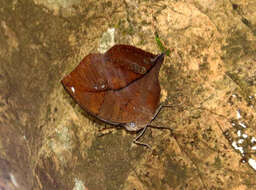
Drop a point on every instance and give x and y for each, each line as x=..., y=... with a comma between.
x=48, y=142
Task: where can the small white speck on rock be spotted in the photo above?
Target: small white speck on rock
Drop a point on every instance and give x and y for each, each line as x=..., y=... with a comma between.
x=238, y=115
x=79, y=185
x=13, y=179
x=73, y=89
x=242, y=125
x=252, y=163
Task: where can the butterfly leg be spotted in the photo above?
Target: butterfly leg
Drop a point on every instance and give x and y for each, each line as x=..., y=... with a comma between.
x=135, y=141
x=157, y=127
x=144, y=129
x=160, y=108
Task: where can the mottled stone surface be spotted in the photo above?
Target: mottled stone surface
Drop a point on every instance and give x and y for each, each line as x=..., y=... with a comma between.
x=48, y=142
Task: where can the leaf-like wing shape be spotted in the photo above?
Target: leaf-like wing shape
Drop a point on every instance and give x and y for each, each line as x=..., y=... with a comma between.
x=126, y=96
x=115, y=69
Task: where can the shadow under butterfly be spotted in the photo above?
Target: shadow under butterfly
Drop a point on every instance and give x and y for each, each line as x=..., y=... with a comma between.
x=119, y=87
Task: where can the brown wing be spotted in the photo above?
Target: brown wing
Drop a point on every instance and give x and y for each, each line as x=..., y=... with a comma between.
x=115, y=69
x=135, y=102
